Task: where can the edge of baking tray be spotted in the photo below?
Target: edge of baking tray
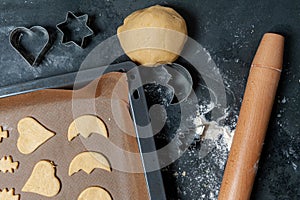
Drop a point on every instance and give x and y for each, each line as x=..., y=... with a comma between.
x=138, y=107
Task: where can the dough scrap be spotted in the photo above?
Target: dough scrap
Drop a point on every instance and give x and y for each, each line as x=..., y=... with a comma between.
x=86, y=125
x=43, y=180
x=94, y=193
x=7, y=164
x=3, y=134
x=9, y=194
x=88, y=161
x=153, y=35
x=31, y=135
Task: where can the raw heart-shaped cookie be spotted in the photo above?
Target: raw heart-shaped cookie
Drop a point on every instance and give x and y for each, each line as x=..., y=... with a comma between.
x=32, y=135
x=43, y=180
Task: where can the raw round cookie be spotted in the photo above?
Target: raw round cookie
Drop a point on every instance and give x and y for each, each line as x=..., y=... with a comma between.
x=153, y=35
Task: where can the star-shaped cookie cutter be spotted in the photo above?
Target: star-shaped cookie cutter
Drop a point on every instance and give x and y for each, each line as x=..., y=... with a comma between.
x=75, y=29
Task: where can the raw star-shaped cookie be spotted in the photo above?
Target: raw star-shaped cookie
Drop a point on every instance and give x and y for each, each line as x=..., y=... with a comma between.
x=3, y=134
x=8, y=195
x=7, y=165
x=43, y=180
x=32, y=135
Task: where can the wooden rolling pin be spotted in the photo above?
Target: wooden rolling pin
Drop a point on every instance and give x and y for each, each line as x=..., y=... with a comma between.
x=253, y=119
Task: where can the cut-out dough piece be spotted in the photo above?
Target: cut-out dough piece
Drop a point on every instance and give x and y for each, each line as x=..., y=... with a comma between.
x=3, y=134
x=43, y=180
x=7, y=165
x=31, y=135
x=88, y=161
x=94, y=193
x=9, y=194
x=86, y=125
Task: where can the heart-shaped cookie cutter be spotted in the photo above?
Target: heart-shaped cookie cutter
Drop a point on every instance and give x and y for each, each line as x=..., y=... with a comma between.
x=31, y=43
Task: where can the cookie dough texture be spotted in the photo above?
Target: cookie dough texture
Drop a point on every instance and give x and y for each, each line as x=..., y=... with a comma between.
x=3, y=134
x=6, y=194
x=86, y=125
x=32, y=134
x=153, y=35
x=88, y=161
x=94, y=193
x=43, y=180
x=7, y=165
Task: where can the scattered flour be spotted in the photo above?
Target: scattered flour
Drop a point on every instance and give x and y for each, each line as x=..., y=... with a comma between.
x=210, y=130
x=201, y=168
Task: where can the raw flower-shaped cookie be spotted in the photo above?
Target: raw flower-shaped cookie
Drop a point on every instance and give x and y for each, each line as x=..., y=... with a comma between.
x=3, y=134
x=7, y=165
x=8, y=195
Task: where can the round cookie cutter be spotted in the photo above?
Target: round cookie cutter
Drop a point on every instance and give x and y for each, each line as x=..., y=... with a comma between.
x=171, y=83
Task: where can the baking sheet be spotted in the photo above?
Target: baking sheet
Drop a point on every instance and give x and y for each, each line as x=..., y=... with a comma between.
x=55, y=110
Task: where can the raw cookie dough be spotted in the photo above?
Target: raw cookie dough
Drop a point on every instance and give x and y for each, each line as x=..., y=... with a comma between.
x=3, y=134
x=153, y=35
x=9, y=194
x=88, y=161
x=43, y=180
x=7, y=165
x=31, y=135
x=86, y=125
x=94, y=193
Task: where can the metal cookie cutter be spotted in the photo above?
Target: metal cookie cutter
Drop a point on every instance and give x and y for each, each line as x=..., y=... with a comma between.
x=75, y=30
x=31, y=44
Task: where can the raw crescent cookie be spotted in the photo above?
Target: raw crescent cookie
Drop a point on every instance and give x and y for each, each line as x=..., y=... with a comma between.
x=86, y=125
x=88, y=161
x=94, y=193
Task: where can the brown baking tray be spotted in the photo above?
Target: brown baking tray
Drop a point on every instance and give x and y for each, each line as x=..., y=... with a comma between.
x=55, y=110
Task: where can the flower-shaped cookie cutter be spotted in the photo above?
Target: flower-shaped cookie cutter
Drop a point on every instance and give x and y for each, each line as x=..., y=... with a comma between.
x=75, y=29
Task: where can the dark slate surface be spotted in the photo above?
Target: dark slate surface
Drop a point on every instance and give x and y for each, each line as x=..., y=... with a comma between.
x=229, y=30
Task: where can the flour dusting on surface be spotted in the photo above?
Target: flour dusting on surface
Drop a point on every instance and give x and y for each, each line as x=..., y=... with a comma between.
x=212, y=131
x=215, y=145
x=201, y=167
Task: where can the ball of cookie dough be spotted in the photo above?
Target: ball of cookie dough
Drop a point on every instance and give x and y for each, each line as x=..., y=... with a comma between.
x=153, y=35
